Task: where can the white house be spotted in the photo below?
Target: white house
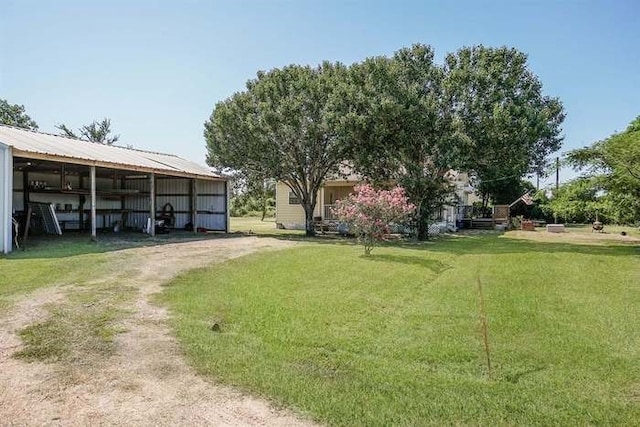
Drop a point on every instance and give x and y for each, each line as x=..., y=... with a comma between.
x=290, y=214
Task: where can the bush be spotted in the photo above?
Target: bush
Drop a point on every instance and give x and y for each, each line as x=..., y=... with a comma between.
x=369, y=213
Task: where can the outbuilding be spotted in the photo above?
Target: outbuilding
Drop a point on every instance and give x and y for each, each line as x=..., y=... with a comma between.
x=90, y=186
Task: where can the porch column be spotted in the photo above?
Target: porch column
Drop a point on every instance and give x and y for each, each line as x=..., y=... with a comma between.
x=152, y=203
x=92, y=178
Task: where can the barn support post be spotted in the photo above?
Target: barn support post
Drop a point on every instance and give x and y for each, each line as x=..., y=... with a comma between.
x=227, y=228
x=194, y=205
x=63, y=176
x=92, y=178
x=152, y=203
x=6, y=202
x=25, y=189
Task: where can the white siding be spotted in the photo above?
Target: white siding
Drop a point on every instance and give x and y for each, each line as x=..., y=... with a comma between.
x=211, y=202
x=210, y=187
x=216, y=222
x=212, y=205
x=175, y=192
x=292, y=216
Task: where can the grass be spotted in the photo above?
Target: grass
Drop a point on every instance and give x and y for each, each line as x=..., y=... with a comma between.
x=255, y=226
x=80, y=330
x=25, y=272
x=394, y=339
x=70, y=259
x=82, y=326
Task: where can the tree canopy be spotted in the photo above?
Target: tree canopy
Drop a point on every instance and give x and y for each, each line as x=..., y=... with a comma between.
x=511, y=125
x=615, y=164
x=482, y=111
x=618, y=156
x=96, y=131
x=402, y=128
x=403, y=119
x=283, y=126
x=15, y=115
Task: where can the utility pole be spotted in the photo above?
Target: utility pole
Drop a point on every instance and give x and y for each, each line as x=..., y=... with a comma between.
x=555, y=216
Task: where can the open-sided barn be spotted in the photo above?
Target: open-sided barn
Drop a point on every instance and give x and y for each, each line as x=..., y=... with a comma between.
x=92, y=186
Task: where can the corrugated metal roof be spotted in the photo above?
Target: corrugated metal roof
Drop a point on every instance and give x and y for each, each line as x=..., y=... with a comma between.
x=28, y=143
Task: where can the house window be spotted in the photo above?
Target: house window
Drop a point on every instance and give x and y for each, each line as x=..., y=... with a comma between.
x=293, y=199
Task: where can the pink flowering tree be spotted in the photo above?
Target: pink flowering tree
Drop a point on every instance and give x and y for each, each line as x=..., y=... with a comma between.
x=369, y=212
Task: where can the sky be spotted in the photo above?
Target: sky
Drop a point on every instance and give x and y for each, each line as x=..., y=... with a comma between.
x=157, y=68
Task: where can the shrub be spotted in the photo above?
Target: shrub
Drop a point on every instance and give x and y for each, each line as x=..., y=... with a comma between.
x=369, y=213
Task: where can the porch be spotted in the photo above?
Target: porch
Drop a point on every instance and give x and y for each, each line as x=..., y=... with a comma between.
x=332, y=193
x=470, y=217
x=328, y=214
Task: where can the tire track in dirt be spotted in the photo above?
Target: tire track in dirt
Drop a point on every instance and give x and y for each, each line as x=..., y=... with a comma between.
x=147, y=381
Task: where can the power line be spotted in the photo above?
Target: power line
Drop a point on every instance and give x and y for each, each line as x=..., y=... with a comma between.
x=499, y=179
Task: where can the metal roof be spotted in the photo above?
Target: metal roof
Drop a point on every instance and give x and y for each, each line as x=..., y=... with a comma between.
x=32, y=144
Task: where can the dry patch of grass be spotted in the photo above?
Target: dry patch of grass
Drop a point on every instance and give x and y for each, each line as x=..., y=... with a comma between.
x=80, y=330
x=256, y=226
x=580, y=235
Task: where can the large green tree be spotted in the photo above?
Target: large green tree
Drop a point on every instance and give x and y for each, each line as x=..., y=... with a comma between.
x=511, y=125
x=251, y=194
x=577, y=201
x=15, y=115
x=96, y=131
x=283, y=126
x=482, y=111
x=615, y=162
x=402, y=127
x=618, y=157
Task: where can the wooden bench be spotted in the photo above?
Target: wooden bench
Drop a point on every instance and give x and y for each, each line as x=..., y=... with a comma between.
x=555, y=228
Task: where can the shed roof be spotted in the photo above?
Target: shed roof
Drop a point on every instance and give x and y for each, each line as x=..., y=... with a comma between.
x=32, y=144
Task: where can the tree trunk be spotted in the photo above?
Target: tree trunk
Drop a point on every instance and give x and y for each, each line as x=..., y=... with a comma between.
x=264, y=206
x=422, y=225
x=423, y=229
x=308, y=213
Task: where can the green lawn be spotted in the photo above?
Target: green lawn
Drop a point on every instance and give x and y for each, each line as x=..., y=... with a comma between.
x=394, y=339
x=47, y=265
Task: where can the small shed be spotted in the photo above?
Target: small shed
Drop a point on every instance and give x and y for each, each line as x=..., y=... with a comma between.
x=94, y=186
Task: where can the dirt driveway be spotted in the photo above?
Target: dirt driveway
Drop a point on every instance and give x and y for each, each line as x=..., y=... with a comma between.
x=146, y=381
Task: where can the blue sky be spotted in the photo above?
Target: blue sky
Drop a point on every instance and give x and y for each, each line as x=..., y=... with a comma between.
x=157, y=68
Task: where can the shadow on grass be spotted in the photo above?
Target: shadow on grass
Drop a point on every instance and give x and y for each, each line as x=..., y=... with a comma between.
x=514, y=377
x=492, y=243
x=431, y=264
x=495, y=244
x=481, y=244
x=39, y=247
x=329, y=239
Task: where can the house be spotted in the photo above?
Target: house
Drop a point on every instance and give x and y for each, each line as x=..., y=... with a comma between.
x=464, y=195
x=289, y=211
x=290, y=214
x=91, y=186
